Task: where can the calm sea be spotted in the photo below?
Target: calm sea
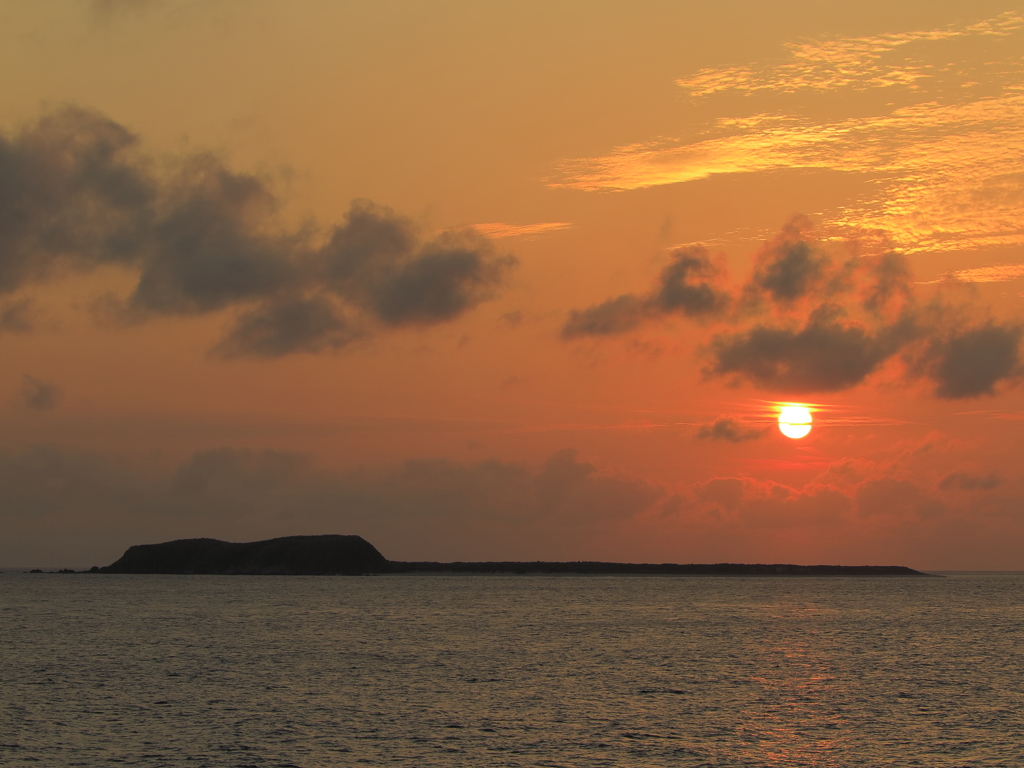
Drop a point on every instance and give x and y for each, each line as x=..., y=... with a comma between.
x=480, y=671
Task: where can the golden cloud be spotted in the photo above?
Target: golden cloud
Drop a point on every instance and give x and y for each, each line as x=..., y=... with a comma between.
x=997, y=273
x=500, y=230
x=947, y=171
x=860, y=62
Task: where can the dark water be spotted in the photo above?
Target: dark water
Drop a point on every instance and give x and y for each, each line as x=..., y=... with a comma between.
x=511, y=671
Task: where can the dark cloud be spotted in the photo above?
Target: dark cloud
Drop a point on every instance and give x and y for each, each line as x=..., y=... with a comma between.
x=512, y=319
x=867, y=316
x=16, y=316
x=286, y=325
x=725, y=491
x=968, y=482
x=229, y=483
x=834, y=351
x=829, y=353
x=617, y=315
x=51, y=484
x=728, y=429
x=70, y=193
x=108, y=11
x=107, y=8
x=805, y=322
x=422, y=509
x=970, y=363
x=206, y=251
x=890, y=279
x=440, y=284
x=569, y=489
x=39, y=395
x=892, y=497
x=362, y=251
x=63, y=507
x=75, y=193
x=376, y=260
x=687, y=286
x=791, y=266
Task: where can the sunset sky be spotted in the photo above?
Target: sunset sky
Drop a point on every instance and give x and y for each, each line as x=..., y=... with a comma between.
x=514, y=280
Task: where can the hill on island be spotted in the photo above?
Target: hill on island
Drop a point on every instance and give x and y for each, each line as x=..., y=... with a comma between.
x=292, y=555
x=350, y=555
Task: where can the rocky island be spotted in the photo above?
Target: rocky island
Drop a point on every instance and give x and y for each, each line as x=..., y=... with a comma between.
x=289, y=555
x=353, y=555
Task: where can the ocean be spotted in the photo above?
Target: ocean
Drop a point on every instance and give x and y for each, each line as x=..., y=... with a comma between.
x=506, y=670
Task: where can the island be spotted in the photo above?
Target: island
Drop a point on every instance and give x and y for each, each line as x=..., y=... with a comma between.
x=353, y=555
x=289, y=555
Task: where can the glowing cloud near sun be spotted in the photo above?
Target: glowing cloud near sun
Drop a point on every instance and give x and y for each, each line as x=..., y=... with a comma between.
x=794, y=421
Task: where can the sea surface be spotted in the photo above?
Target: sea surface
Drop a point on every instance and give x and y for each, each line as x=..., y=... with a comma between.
x=496, y=670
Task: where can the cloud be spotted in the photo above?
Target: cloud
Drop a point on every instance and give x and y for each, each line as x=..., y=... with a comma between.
x=450, y=275
x=76, y=193
x=729, y=429
x=747, y=504
x=827, y=354
x=87, y=508
x=888, y=496
x=287, y=325
x=115, y=6
x=941, y=171
x=890, y=281
x=941, y=155
x=419, y=509
x=205, y=251
x=971, y=362
x=376, y=261
x=106, y=9
x=878, y=509
x=511, y=319
x=499, y=230
x=968, y=482
x=113, y=10
x=997, y=273
x=805, y=322
x=68, y=196
x=618, y=315
x=790, y=267
x=874, y=519
x=830, y=353
x=39, y=395
x=16, y=316
x=859, y=62
x=687, y=286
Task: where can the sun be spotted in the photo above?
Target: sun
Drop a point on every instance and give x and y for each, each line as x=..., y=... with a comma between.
x=795, y=421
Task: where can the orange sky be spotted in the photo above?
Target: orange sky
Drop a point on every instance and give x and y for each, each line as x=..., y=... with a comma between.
x=513, y=280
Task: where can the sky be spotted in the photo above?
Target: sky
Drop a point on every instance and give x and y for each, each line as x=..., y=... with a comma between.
x=514, y=280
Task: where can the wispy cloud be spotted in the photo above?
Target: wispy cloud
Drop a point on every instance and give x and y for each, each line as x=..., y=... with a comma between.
x=859, y=62
x=946, y=168
x=998, y=273
x=498, y=229
x=729, y=429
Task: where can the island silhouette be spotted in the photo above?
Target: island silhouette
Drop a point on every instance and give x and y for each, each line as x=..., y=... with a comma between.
x=334, y=554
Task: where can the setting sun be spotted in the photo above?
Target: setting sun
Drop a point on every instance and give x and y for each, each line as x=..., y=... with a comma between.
x=795, y=421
